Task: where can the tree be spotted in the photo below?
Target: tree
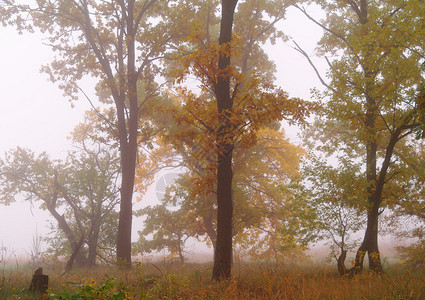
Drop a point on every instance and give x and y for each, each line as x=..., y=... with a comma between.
x=374, y=75
x=80, y=192
x=120, y=45
x=336, y=193
x=270, y=220
x=408, y=220
x=233, y=102
x=225, y=136
x=199, y=211
x=170, y=229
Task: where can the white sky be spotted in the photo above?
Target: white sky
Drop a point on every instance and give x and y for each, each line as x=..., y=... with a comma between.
x=34, y=114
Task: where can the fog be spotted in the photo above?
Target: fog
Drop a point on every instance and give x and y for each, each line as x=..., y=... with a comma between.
x=35, y=115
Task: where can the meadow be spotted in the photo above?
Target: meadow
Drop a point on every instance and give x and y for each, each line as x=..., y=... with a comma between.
x=193, y=281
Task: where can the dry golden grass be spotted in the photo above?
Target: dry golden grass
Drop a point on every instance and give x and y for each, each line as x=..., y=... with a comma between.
x=193, y=281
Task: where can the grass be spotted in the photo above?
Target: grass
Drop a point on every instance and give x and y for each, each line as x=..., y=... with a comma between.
x=193, y=281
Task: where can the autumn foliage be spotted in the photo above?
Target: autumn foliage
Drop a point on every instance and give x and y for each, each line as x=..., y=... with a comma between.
x=189, y=87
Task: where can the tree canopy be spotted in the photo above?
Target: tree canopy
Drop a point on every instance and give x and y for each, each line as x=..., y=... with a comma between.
x=80, y=192
x=375, y=83
x=189, y=85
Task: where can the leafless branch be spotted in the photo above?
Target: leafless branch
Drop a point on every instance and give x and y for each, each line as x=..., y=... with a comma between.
x=300, y=50
x=97, y=111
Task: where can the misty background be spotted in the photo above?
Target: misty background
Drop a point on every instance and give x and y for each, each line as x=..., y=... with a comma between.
x=35, y=115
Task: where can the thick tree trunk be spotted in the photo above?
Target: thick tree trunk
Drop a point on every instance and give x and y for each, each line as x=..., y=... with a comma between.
x=126, y=211
x=223, y=250
x=80, y=257
x=128, y=148
x=370, y=240
x=369, y=245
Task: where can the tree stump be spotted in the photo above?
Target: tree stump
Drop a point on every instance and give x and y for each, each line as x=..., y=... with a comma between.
x=39, y=282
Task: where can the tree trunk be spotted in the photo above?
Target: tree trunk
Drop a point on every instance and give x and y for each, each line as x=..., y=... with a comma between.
x=341, y=262
x=369, y=245
x=76, y=256
x=209, y=229
x=79, y=258
x=93, y=240
x=181, y=256
x=128, y=147
x=376, y=187
x=126, y=210
x=223, y=250
x=370, y=240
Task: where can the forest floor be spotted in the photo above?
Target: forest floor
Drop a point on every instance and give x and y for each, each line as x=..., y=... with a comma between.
x=193, y=281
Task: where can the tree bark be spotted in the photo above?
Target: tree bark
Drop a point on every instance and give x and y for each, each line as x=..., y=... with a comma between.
x=39, y=282
x=92, y=242
x=93, y=237
x=370, y=240
x=76, y=253
x=180, y=250
x=209, y=229
x=369, y=245
x=223, y=250
x=341, y=262
x=72, y=240
x=128, y=160
x=128, y=147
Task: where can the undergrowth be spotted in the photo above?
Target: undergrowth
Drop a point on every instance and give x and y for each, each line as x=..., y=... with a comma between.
x=193, y=281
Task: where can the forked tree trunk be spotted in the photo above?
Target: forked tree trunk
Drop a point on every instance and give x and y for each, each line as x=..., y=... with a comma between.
x=369, y=246
x=370, y=239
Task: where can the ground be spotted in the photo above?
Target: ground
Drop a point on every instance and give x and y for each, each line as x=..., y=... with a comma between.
x=164, y=280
